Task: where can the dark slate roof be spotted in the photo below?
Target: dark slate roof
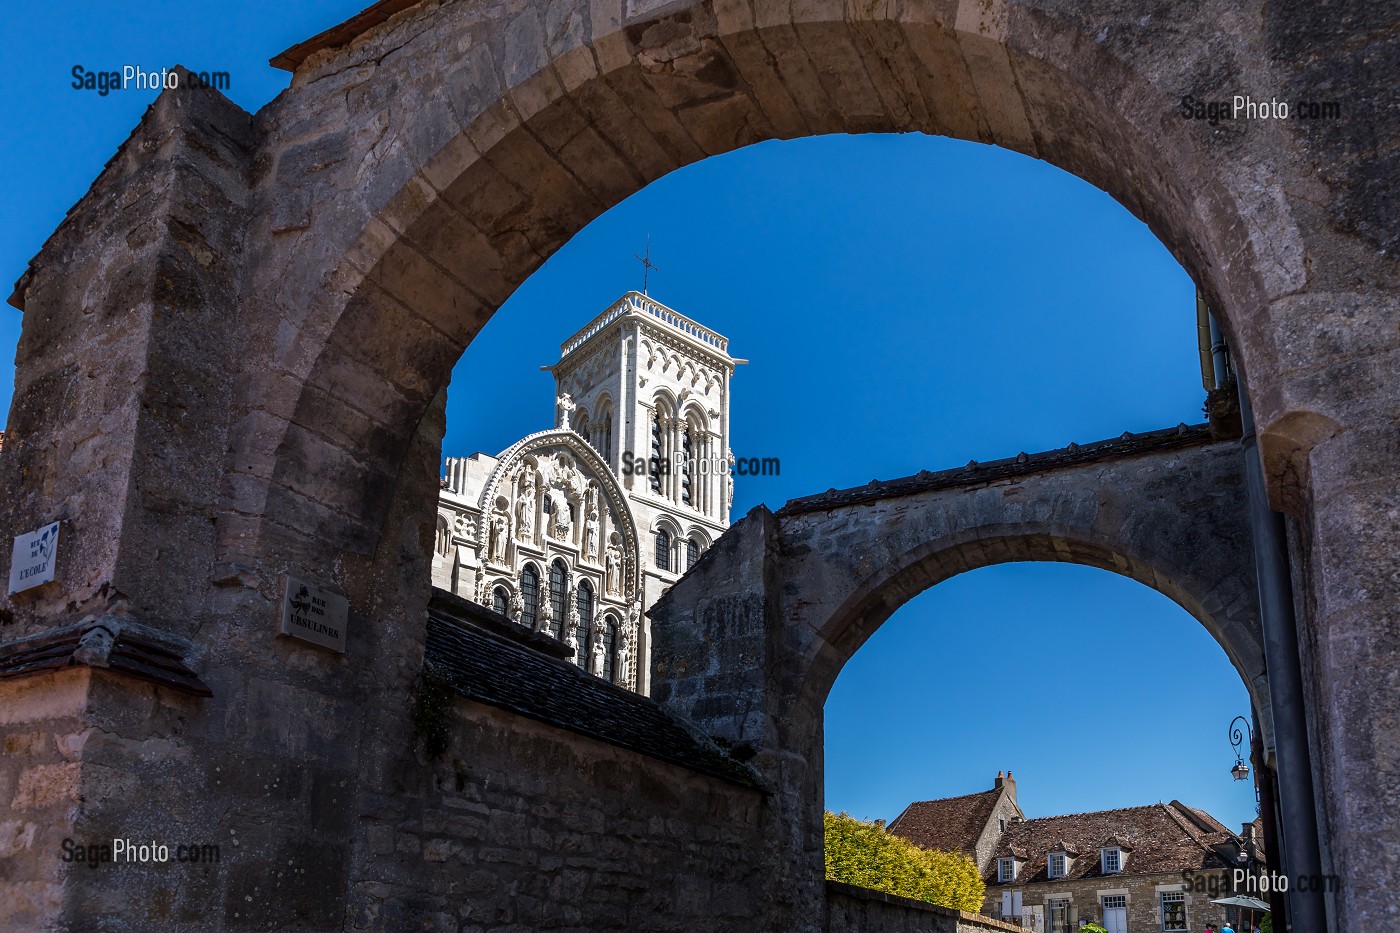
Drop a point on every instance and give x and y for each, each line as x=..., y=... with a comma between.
x=1127, y=445
x=110, y=643
x=952, y=824
x=1164, y=837
x=490, y=668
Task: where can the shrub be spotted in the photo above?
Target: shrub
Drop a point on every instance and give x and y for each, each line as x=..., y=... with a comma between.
x=864, y=854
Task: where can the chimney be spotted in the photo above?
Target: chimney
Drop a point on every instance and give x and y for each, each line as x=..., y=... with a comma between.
x=1008, y=782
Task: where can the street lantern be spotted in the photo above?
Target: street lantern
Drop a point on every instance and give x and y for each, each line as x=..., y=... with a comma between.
x=1237, y=737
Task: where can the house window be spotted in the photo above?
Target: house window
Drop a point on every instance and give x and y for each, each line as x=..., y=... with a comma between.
x=530, y=596
x=1006, y=869
x=1112, y=861
x=1001, y=824
x=663, y=550
x=1058, y=909
x=500, y=600
x=1115, y=902
x=558, y=596
x=692, y=553
x=1056, y=865
x=1174, y=912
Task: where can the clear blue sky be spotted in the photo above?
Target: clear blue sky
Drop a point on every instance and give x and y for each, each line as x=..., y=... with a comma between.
x=907, y=303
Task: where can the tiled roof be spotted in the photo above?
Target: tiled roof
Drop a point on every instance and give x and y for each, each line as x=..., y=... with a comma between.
x=1159, y=838
x=952, y=824
x=487, y=667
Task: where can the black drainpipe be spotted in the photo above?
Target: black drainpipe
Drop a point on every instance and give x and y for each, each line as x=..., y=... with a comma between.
x=1296, y=804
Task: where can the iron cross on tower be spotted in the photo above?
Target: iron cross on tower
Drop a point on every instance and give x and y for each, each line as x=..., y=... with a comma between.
x=647, y=265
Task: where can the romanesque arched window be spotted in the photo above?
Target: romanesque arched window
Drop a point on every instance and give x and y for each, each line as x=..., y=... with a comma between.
x=530, y=595
x=663, y=549
x=585, y=620
x=692, y=552
x=685, y=466
x=443, y=544
x=558, y=596
x=655, y=465
x=609, y=647
x=500, y=599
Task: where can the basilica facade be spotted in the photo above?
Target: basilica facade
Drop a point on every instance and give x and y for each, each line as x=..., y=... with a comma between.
x=576, y=531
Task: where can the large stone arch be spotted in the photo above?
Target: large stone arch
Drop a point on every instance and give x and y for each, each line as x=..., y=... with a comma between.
x=448, y=176
x=427, y=167
x=283, y=296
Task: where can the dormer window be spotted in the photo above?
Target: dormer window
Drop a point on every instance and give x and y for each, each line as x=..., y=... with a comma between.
x=1057, y=865
x=1111, y=858
x=1006, y=869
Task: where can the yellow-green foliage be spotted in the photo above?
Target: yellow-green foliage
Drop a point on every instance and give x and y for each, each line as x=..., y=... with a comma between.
x=865, y=854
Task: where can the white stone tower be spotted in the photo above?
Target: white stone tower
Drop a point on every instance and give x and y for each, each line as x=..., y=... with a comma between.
x=649, y=389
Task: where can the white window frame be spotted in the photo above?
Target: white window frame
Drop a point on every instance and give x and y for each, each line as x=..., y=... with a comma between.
x=1006, y=869
x=1174, y=897
x=1063, y=858
x=1117, y=854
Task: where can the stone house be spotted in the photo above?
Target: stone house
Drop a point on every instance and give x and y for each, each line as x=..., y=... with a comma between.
x=575, y=531
x=1130, y=870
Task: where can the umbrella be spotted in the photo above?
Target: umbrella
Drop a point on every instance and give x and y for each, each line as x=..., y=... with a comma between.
x=1240, y=900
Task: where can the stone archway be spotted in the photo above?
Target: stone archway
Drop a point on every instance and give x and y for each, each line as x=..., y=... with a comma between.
x=280, y=315
x=748, y=645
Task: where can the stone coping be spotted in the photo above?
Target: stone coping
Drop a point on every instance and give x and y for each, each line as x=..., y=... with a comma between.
x=1125, y=445
x=110, y=643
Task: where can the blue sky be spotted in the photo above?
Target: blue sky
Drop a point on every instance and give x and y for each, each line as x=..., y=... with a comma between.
x=907, y=303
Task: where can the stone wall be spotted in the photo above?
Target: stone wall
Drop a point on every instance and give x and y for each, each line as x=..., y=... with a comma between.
x=859, y=910
x=522, y=826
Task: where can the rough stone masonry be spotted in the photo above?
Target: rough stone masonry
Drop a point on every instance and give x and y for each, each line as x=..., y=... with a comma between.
x=233, y=363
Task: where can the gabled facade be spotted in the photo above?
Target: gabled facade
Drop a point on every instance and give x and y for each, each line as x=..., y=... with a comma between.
x=576, y=531
x=1130, y=870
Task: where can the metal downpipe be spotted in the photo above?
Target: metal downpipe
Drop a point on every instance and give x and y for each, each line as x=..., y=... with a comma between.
x=1296, y=803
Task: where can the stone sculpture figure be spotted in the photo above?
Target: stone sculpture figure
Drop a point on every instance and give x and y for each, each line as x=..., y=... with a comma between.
x=571, y=633
x=563, y=519
x=500, y=534
x=590, y=536
x=566, y=408
x=517, y=606
x=622, y=670
x=614, y=571
x=525, y=516
x=595, y=661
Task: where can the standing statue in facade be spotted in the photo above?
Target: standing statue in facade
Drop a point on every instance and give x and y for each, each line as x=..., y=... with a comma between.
x=500, y=534
x=614, y=571
x=525, y=516
x=595, y=661
x=571, y=633
x=590, y=535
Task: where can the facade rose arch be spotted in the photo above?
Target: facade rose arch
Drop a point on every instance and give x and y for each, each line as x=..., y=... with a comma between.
x=239, y=338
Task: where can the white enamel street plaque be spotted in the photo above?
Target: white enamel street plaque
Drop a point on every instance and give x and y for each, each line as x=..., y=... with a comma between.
x=312, y=613
x=33, y=558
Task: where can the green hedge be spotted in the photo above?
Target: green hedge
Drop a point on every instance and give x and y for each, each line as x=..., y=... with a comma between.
x=864, y=854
